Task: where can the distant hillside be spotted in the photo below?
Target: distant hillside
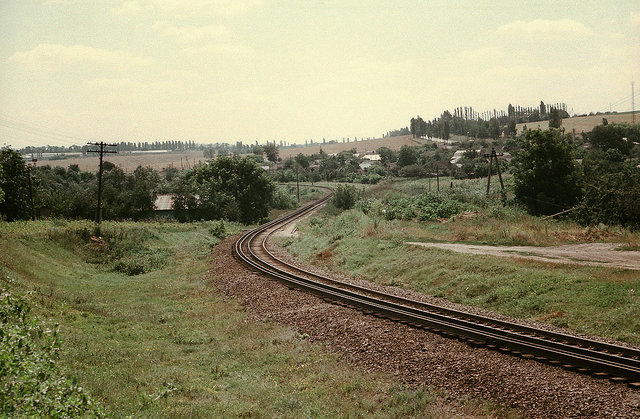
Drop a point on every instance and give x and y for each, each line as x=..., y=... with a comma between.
x=129, y=162
x=583, y=123
x=187, y=159
x=394, y=143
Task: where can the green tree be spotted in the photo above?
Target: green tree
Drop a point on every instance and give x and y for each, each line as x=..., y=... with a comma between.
x=445, y=135
x=475, y=164
x=271, y=150
x=418, y=127
x=386, y=155
x=555, y=120
x=612, y=197
x=184, y=200
x=494, y=128
x=302, y=160
x=1, y=182
x=345, y=197
x=14, y=184
x=65, y=193
x=407, y=156
x=140, y=193
x=617, y=136
x=546, y=177
x=233, y=188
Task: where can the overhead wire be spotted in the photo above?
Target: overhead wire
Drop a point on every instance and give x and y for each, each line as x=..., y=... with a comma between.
x=29, y=128
x=619, y=103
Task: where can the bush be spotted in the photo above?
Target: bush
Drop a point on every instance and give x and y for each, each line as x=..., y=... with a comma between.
x=142, y=262
x=218, y=230
x=425, y=207
x=344, y=197
x=371, y=178
x=283, y=199
x=400, y=209
x=31, y=385
x=432, y=206
x=413, y=170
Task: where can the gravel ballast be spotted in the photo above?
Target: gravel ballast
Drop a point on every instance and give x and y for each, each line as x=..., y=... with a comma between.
x=420, y=358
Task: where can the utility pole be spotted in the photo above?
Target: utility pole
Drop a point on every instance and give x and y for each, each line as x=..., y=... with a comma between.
x=33, y=213
x=633, y=105
x=102, y=151
x=493, y=155
x=295, y=164
x=298, y=183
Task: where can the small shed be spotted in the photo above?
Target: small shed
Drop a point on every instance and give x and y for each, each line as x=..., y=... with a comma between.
x=163, y=206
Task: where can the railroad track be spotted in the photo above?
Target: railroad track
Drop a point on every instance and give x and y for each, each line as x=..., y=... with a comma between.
x=602, y=360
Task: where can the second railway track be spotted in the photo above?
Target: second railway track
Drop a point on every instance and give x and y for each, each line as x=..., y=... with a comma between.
x=600, y=359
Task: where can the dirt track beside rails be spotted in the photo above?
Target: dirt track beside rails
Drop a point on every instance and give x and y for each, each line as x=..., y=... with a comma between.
x=418, y=357
x=593, y=254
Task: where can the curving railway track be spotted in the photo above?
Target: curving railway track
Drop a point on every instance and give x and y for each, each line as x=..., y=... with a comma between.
x=599, y=359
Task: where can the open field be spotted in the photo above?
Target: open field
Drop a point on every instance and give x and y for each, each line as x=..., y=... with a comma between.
x=583, y=123
x=128, y=162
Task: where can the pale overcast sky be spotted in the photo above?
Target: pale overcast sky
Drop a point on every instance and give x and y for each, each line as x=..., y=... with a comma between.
x=73, y=71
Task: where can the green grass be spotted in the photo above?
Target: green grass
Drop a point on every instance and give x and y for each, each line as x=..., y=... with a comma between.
x=490, y=221
x=602, y=301
x=163, y=343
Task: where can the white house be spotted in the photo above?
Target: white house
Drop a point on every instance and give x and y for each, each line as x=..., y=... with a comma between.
x=372, y=157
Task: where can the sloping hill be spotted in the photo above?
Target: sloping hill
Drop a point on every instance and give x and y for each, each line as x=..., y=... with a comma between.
x=394, y=143
x=185, y=160
x=583, y=123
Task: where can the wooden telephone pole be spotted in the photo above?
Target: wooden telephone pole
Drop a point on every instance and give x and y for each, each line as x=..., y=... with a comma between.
x=493, y=155
x=102, y=151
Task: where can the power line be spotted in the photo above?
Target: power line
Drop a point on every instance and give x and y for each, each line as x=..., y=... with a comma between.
x=622, y=102
x=36, y=130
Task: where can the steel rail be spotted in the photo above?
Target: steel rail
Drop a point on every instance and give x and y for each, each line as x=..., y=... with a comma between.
x=571, y=351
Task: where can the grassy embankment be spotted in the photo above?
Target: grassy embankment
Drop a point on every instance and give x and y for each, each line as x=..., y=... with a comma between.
x=146, y=335
x=601, y=301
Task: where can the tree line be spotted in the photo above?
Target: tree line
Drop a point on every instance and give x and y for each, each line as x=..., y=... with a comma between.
x=228, y=187
x=598, y=184
x=466, y=121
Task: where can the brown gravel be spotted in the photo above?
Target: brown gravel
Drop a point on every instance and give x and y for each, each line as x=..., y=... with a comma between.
x=418, y=357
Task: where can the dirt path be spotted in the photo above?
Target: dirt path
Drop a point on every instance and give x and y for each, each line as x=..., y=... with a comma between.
x=594, y=254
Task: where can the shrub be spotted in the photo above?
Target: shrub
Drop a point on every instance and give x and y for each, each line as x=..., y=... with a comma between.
x=432, y=206
x=283, y=199
x=218, y=230
x=344, y=197
x=413, y=170
x=141, y=262
x=400, y=209
x=371, y=178
x=426, y=207
x=31, y=385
